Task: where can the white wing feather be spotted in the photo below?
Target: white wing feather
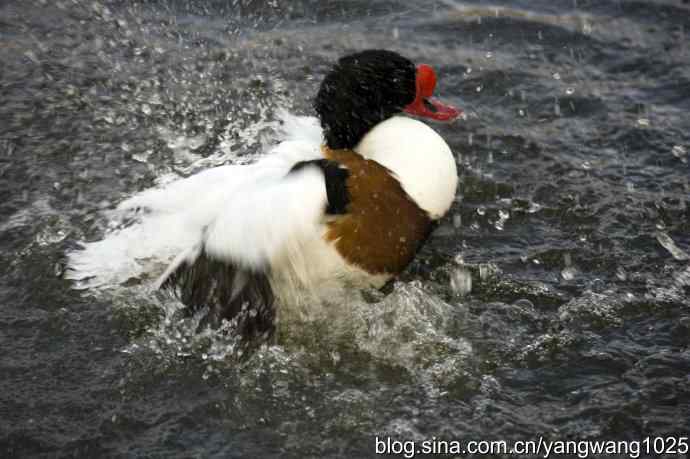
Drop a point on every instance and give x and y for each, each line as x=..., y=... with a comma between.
x=261, y=226
x=248, y=212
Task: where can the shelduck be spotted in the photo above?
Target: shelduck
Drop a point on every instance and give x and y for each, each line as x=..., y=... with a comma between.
x=345, y=206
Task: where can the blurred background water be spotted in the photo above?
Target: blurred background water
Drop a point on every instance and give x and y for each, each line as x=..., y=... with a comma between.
x=554, y=300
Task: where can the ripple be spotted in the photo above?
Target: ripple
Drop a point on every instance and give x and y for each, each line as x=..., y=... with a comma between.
x=569, y=317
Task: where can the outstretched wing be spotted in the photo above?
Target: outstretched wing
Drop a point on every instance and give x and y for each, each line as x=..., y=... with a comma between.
x=229, y=269
x=150, y=228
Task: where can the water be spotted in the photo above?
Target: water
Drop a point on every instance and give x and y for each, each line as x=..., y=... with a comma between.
x=568, y=316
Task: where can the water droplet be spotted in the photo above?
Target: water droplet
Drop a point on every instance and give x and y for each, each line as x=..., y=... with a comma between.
x=621, y=274
x=481, y=210
x=534, y=207
x=556, y=76
x=461, y=281
x=521, y=112
x=457, y=221
x=568, y=273
x=680, y=153
x=586, y=27
x=567, y=259
x=489, y=55
x=142, y=157
x=483, y=272
x=570, y=91
x=479, y=88
x=503, y=216
x=586, y=165
x=32, y=57
x=643, y=122
x=668, y=243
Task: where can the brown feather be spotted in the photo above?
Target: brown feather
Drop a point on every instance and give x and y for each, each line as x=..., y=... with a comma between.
x=383, y=228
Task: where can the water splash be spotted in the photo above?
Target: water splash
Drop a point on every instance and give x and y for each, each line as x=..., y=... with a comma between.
x=461, y=281
x=503, y=216
x=407, y=329
x=591, y=310
x=457, y=221
x=569, y=271
x=668, y=243
x=680, y=152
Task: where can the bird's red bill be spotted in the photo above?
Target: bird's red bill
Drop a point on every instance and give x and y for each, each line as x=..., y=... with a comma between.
x=423, y=105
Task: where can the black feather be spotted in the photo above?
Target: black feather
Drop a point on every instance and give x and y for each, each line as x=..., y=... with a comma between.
x=230, y=292
x=335, y=177
x=360, y=91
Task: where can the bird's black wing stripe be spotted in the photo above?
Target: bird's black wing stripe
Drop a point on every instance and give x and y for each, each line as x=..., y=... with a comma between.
x=230, y=292
x=335, y=176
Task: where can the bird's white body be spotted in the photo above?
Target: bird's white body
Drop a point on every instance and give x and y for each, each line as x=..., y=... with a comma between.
x=261, y=216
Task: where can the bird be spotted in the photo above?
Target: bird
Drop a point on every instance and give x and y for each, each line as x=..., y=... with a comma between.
x=344, y=204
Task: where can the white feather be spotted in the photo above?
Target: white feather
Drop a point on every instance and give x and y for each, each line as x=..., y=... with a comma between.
x=420, y=159
x=171, y=218
x=258, y=229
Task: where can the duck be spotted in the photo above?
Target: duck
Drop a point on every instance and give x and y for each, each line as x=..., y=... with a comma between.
x=344, y=205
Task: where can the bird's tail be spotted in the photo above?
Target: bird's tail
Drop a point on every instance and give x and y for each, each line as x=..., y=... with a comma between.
x=240, y=295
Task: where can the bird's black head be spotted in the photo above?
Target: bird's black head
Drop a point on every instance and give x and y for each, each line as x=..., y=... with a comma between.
x=367, y=87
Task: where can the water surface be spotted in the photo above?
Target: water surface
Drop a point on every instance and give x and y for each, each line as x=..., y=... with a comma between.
x=552, y=301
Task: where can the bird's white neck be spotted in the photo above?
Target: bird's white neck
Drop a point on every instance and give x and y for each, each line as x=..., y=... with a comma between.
x=418, y=157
